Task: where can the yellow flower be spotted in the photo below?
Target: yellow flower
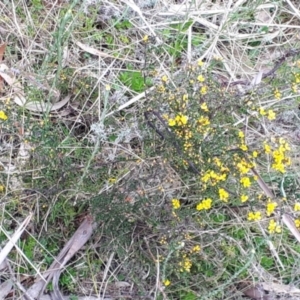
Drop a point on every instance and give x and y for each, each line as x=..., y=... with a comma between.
x=172, y=122
x=297, y=77
x=3, y=116
x=267, y=148
x=277, y=94
x=280, y=160
x=196, y=248
x=205, y=178
x=244, y=198
x=244, y=167
x=241, y=134
x=217, y=161
x=294, y=87
x=297, y=223
x=201, y=78
x=254, y=216
x=204, y=107
x=185, y=97
x=279, y=167
x=160, y=88
x=223, y=194
x=164, y=78
x=163, y=240
x=285, y=144
x=297, y=206
x=245, y=181
x=271, y=115
x=200, y=63
x=274, y=227
x=185, y=265
x=181, y=120
x=2, y=188
x=176, y=203
x=204, y=204
x=203, y=121
x=167, y=282
x=243, y=147
x=262, y=111
x=203, y=90
x=145, y=38
x=112, y=180
x=254, y=154
x=271, y=207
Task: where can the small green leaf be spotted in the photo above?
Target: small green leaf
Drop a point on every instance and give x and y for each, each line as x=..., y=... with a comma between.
x=189, y=296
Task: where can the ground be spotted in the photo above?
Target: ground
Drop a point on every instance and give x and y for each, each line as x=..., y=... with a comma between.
x=149, y=149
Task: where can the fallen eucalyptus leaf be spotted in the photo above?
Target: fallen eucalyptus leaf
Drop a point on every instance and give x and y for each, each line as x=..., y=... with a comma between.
x=79, y=238
x=5, y=288
x=19, y=95
x=13, y=240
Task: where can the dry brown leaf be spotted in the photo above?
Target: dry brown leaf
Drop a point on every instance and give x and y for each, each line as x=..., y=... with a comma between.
x=263, y=185
x=5, y=288
x=256, y=79
x=80, y=237
x=20, y=99
x=44, y=107
x=263, y=15
x=10, y=80
x=2, y=51
x=256, y=292
x=3, y=265
x=13, y=240
x=279, y=288
x=290, y=224
x=268, y=290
